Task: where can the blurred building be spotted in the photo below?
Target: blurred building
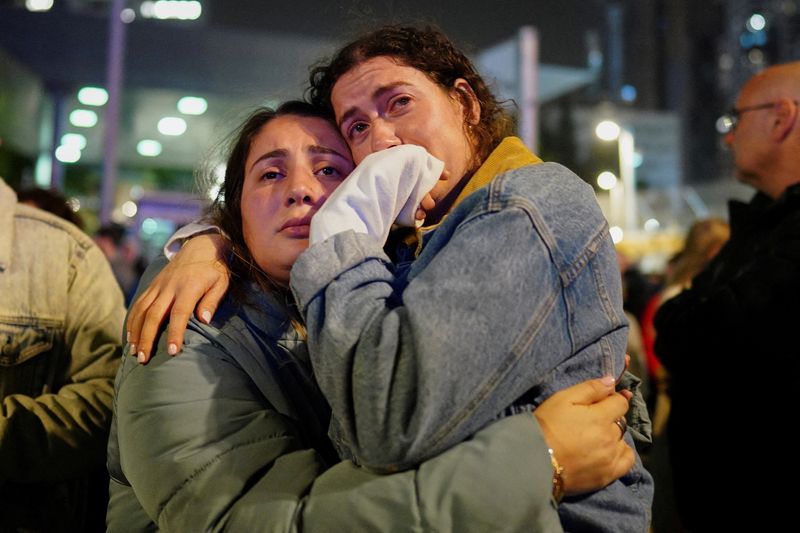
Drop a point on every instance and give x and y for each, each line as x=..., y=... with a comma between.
x=666, y=69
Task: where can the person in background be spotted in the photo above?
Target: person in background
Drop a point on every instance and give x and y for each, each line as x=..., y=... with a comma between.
x=122, y=255
x=232, y=433
x=51, y=201
x=703, y=241
x=61, y=314
x=736, y=324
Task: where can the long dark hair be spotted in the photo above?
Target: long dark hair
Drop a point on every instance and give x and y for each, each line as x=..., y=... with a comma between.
x=431, y=52
x=226, y=209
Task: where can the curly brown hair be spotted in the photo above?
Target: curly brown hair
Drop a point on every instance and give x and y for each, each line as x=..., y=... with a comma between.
x=430, y=51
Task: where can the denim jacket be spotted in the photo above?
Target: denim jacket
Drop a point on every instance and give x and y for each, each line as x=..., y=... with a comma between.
x=515, y=295
x=61, y=314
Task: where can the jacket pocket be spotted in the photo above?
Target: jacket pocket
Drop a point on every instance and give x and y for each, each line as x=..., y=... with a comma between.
x=26, y=364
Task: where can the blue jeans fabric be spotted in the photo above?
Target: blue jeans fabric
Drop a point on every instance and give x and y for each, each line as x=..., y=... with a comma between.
x=516, y=294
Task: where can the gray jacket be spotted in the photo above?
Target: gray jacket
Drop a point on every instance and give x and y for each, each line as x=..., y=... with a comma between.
x=61, y=314
x=515, y=295
x=230, y=435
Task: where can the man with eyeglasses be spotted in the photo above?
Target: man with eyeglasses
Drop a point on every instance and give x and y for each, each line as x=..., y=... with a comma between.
x=730, y=341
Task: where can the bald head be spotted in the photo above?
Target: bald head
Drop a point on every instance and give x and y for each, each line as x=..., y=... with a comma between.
x=766, y=140
x=775, y=82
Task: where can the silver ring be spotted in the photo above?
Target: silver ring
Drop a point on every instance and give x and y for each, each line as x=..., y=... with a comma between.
x=622, y=424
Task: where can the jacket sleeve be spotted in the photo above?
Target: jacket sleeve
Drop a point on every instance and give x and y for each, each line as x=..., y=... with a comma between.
x=412, y=369
x=707, y=317
x=62, y=434
x=204, y=451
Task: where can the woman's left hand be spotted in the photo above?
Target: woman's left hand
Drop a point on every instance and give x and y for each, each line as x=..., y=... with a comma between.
x=579, y=425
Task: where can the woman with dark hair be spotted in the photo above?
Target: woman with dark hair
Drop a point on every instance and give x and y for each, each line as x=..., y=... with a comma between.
x=510, y=292
x=231, y=435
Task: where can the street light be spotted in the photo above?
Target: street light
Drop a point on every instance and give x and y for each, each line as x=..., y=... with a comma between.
x=608, y=130
x=606, y=180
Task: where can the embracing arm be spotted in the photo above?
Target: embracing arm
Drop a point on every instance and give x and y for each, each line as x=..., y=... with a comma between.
x=62, y=434
x=411, y=369
x=203, y=451
x=387, y=186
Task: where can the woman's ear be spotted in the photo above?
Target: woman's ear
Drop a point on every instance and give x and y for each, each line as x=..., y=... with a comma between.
x=465, y=95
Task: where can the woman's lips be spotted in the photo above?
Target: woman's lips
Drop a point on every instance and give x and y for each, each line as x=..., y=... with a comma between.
x=298, y=227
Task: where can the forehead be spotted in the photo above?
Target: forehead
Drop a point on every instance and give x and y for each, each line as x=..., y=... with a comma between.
x=293, y=131
x=361, y=81
x=759, y=89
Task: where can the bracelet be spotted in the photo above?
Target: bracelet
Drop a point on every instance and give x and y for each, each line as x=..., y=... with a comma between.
x=558, y=479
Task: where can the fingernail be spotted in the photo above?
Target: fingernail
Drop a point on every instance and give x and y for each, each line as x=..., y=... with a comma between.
x=206, y=316
x=141, y=357
x=608, y=381
x=133, y=348
x=172, y=349
x=127, y=336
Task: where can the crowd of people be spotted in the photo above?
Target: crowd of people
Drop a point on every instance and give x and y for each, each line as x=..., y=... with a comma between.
x=395, y=316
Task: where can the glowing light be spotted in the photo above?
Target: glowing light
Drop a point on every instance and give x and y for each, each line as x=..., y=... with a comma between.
x=724, y=124
x=607, y=130
x=171, y=9
x=127, y=15
x=38, y=5
x=149, y=148
x=219, y=179
x=74, y=204
x=149, y=226
x=756, y=22
x=68, y=154
x=83, y=118
x=628, y=93
x=219, y=172
x=755, y=56
x=651, y=224
x=74, y=139
x=192, y=105
x=616, y=234
x=638, y=159
x=94, y=96
x=129, y=209
x=606, y=180
x=172, y=126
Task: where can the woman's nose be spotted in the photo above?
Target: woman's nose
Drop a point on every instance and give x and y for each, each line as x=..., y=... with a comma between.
x=303, y=188
x=384, y=135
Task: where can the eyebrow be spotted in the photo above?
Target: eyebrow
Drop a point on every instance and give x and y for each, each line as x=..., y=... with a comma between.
x=380, y=91
x=282, y=152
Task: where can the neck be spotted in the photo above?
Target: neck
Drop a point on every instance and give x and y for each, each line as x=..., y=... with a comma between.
x=446, y=204
x=779, y=178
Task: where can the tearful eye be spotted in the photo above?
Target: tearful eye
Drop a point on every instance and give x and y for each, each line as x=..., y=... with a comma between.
x=329, y=171
x=357, y=128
